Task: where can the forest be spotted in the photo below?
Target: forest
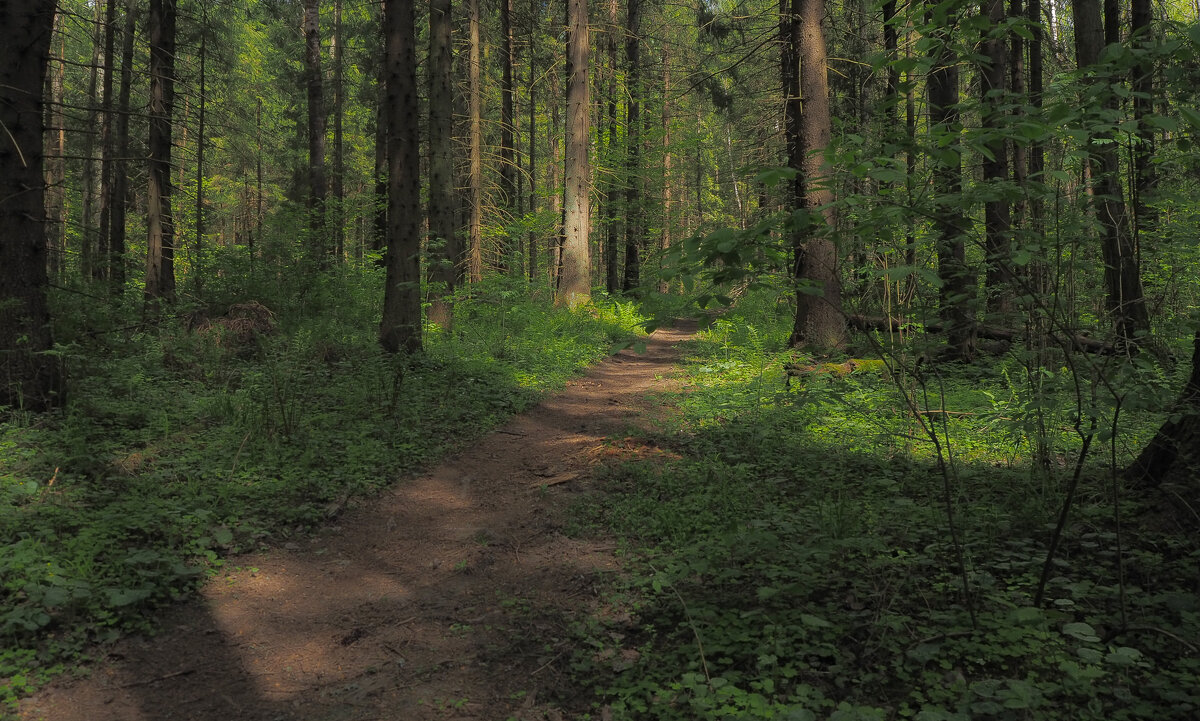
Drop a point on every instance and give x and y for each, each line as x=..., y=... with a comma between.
x=906, y=294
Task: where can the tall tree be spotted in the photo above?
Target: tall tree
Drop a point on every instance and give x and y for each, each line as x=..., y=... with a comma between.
x=29, y=375
x=575, y=283
x=338, y=219
x=508, y=168
x=107, y=146
x=997, y=214
x=1126, y=302
x=400, y=328
x=1145, y=177
x=957, y=292
x=119, y=202
x=442, y=228
x=314, y=83
x=819, y=317
x=474, y=149
x=534, y=13
x=160, y=222
x=633, y=147
x=55, y=162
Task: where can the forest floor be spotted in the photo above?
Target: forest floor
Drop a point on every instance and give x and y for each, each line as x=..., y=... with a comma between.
x=449, y=596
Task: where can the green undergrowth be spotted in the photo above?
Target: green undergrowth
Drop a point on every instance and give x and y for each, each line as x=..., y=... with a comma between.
x=791, y=557
x=180, y=447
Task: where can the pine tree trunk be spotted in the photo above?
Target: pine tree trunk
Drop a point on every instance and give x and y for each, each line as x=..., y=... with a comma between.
x=89, y=237
x=107, y=148
x=55, y=164
x=119, y=202
x=633, y=148
x=533, y=209
x=997, y=214
x=508, y=173
x=160, y=222
x=819, y=317
x=442, y=231
x=400, y=329
x=29, y=376
x=475, y=139
x=575, y=285
x=198, y=269
x=314, y=83
x=612, y=216
x=338, y=215
x=668, y=222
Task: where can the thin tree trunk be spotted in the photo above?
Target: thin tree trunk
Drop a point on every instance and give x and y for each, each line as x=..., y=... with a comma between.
x=633, y=148
x=400, y=329
x=508, y=174
x=160, y=222
x=554, y=261
x=314, y=82
x=30, y=377
x=668, y=222
x=107, y=147
x=442, y=231
x=612, y=217
x=997, y=215
x=575, y=286
x=198, y=270
x=338, y=179
x=89, y=237
x=55, y=164
x=475, y=135
x=1145, y=177
x=533, y=209
x=120, y=186
x=381, y=164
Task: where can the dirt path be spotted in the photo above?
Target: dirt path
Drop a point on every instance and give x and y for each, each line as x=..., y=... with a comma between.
x=449, y=597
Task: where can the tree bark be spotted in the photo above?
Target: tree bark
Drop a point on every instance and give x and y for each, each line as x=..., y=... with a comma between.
x=997, y=212
x=338, y=219
x=160, y=222
x=1174, y=453
x=668, y=222
x=475, y=150
x=54, y=162
x=29, y=376
x=442, y=231
x=634, y=229
x=508, y=171
x=400, y=329
x=314, y=83
x=612, y=217
x=575, y=285
x=819, y=318
x=533, y=209
x=1126, y=302
x=89, y=236
x=957, y=294
x=1145, y=177
x=198, y=270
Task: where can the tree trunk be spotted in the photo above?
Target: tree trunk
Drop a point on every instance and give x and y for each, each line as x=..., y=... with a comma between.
x=119, y=202
x=957, y=294
x=533, y=209
x=665, y=240
x=381, y=164
x=633, y=147
x=819, y=318
x=1145, y=177
x=400, y=329
x=29, y=376
x=997, y=214
x=89, y=237
x=612, y=217
x=55, y=163
x=338, y=219
x=1122, y=273
x=198, y=270
x=475, y=139
x=107, y=148
x=160, y=222
x=575, y=285
x=442, y=231
x=508, y=171
x=314, y=82
x=1174, y=453
x=554, y=254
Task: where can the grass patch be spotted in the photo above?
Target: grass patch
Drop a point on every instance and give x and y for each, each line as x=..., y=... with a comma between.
x=180, y=447
x=796, y=562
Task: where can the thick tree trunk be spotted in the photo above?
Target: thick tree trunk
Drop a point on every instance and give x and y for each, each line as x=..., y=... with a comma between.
x=160, y=222
x=400, y=329
x=1122, y=273
x=442, y=231
x=633, y=150
x=575, y=285
x=29, y=375
x=997, y=213
x=314, y=83
x=475, y=139
x=1174, y=453
x=819, y=318
x=957, y=294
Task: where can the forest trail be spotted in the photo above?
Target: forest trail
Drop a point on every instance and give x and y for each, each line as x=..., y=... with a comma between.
x=449, y=596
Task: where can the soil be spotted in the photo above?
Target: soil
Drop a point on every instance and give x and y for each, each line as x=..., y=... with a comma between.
x=451, y=596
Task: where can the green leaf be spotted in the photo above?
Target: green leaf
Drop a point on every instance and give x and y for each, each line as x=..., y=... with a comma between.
x=1081, y=631
x=814, y=621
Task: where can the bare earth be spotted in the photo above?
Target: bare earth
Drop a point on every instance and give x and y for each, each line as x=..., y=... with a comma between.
x=448, y=597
